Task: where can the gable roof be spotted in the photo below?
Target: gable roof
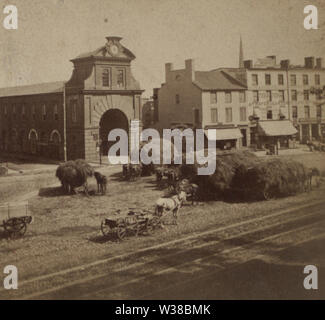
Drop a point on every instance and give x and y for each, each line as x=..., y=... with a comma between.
x=217, y=80
x=40, y=88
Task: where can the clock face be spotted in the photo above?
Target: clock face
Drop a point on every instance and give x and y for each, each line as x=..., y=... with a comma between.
x=114, y=49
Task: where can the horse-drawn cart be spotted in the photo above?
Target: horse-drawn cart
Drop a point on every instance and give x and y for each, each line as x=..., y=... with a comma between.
x=130, y=223
x=14, y=218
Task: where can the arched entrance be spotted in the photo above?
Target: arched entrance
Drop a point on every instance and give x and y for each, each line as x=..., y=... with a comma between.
x=111, y=119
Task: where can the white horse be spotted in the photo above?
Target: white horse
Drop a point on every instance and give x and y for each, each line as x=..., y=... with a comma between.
x=172, y=204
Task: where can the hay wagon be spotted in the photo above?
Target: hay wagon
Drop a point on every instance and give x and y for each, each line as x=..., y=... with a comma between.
x=130, y=223
x=15, y=218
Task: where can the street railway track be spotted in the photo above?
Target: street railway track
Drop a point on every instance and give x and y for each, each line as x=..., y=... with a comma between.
x=191, y=248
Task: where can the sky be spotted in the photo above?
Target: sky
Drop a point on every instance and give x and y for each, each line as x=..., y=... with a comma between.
x=52, y=32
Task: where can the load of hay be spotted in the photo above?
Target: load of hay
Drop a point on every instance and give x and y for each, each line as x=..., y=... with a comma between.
x=74, y=174
x=242, y=175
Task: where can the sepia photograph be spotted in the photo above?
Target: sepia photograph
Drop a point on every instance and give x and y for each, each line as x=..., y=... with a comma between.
x=162, y=150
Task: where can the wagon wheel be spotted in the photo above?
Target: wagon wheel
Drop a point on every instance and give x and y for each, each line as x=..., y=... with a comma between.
x=16, y=227
x=121, y=231
x=135, y=228
x=153, y=224
x=106, y=229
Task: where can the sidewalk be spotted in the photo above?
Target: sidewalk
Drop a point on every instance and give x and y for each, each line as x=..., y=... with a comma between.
x=301, y=149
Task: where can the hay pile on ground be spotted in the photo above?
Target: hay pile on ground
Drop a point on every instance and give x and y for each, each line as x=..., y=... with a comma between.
x=73, y=174
x=242, y=175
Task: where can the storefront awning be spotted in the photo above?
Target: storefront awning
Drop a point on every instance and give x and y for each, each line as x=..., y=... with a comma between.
x=277, y=128
x=223, y=134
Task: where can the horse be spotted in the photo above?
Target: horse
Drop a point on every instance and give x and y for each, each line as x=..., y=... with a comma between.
x=191, y=189
x=101, y=182
x=172, y=204
x=312, y=172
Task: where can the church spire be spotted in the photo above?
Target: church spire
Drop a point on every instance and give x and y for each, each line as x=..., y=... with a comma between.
x=241, y=54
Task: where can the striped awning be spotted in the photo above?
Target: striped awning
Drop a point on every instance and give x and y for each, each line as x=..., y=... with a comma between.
x=277, y=128
x=223, y=134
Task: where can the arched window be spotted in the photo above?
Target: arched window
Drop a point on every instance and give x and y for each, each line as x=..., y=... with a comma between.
x=55, y=137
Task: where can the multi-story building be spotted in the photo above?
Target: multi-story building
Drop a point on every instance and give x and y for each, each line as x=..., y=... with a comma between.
x=284, y=92
x=72, y=120
x=268, y=103
x=203, y=99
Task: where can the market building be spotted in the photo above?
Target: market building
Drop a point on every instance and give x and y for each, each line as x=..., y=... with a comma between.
x=70, y=120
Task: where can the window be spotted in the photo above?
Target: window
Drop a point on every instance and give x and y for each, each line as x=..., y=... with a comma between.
x=242, y=96
x=318, y=95
x=44, y=112
x=55, y=112
x=319, y=111
x=280, y=79
x=243, y=114
x=281, y=95
x=23, y=112
x=294, y=95
x=74, y=110
x=269, y=95
x=305, y=79
x=196, y=116
x=33, y=112
x=228, y=114
x=106, y=77
x=213, y=97
x=269, y=115
x=254, y=79
x=214, y=115
x=14, y=111
x=120, y=78
x=256, y=96
x=228, y=97
x=5, y=111
x=306, y=94
x=267, y=79
x=317, y=79
x=294, y=112
x=293, y=80
x=177, y=100
x=307, y=112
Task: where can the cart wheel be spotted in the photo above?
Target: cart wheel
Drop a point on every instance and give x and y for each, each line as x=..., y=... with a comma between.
x=106, y=229
x=135, y=229
x=121, y=231
x=153, y=224
x=16, y=227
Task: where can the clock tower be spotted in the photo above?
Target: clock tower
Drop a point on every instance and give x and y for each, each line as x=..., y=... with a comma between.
x=103, y=91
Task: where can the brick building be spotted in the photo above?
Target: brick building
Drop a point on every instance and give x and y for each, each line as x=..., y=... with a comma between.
x=203, y=99
x=72, y=120
x=255, y=104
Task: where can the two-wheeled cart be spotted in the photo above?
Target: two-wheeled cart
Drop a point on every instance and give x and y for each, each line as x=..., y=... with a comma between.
x=14, y=218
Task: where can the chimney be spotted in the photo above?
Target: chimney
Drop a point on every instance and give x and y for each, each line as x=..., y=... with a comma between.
x=273, y=58
x=309, y=62
x=168, y=69
x=248, y=64
x=190, y=69
x=284, y=64
x=319, y=63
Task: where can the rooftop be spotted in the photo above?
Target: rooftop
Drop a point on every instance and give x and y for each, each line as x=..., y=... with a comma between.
x=40, y=88
x=217, y=80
